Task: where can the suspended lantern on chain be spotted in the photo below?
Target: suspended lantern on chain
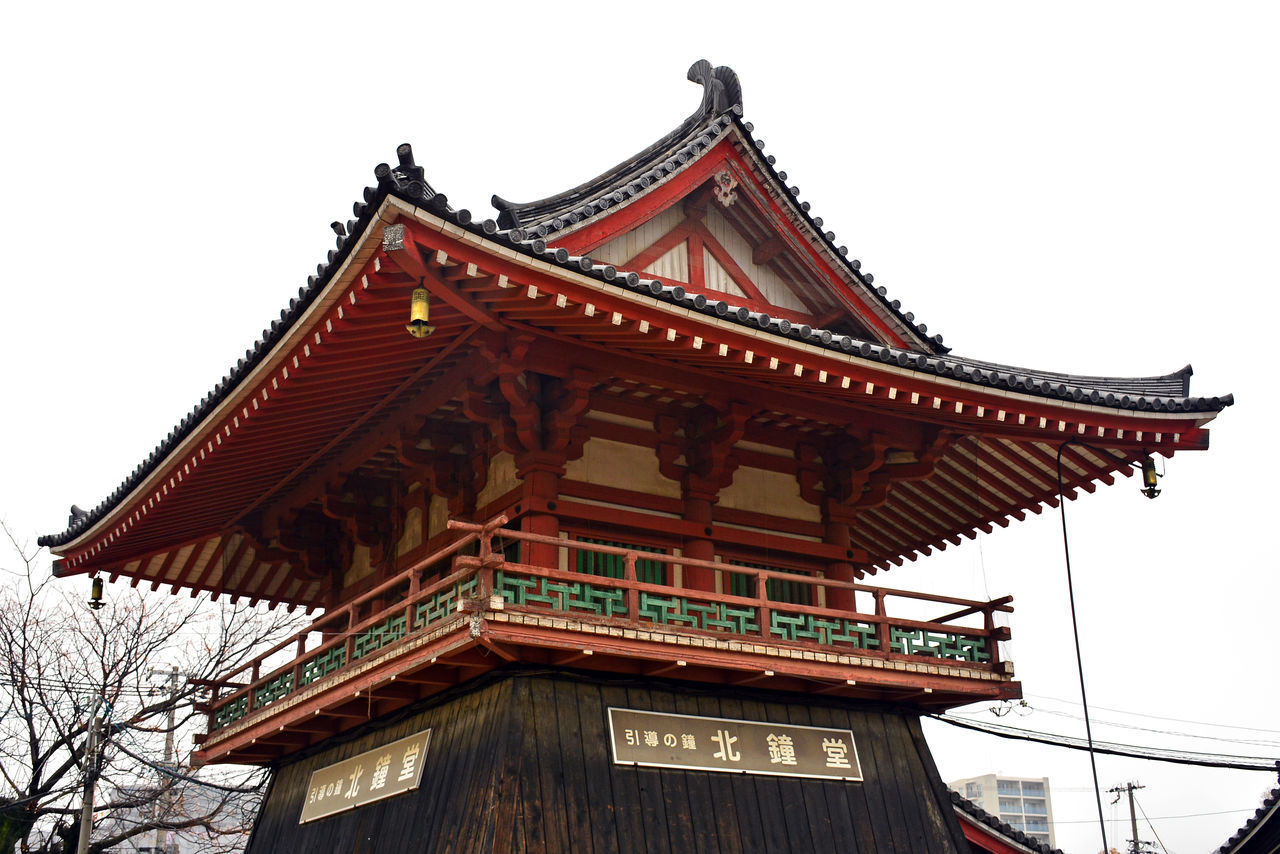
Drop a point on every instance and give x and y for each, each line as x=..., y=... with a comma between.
x=419, y=313
x=95, y=593
x=1149, y=477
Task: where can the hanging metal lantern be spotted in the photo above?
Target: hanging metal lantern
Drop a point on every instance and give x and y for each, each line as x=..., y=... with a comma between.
x=1149, y=477
x=95, y=593
x=419, y=313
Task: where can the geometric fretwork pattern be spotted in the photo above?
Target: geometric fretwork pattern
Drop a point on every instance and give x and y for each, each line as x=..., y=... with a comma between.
x=560, y=595
x=323, y=665
x=939, y=644
x=232, y=712
x=273, y=690
x=443, y=603
x=377, y=636
x=824, y=630
x=708, y=616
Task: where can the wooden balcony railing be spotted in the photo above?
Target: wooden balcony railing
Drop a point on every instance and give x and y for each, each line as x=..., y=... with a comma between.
x=408, y=607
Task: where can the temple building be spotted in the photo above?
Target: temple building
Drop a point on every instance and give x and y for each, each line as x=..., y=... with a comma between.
x=595, y=502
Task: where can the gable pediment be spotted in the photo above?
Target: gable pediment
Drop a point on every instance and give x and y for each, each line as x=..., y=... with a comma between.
x=719, y=243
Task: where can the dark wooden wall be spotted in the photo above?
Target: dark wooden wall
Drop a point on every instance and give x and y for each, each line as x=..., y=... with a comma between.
x=522, y=763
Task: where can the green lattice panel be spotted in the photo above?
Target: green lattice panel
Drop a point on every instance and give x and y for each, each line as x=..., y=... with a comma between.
x=939, y=644
x=666, y=610
x=828, y=632
x=560, y=596
x=323, y=665
x=271, y=691
x=442, y=604
x=709, y=616
x=513, y=588
x=909, y=642
x=230, y=713
x=728, y=619
x=969, y=648
x=605, y=601
x=377, y=636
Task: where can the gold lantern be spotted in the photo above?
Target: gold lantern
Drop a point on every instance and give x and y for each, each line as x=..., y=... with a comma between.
x=95, y=593
x=419, y=313
x=1149, y=477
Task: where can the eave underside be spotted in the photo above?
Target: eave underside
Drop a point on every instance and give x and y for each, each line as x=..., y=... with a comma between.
x=338, y=399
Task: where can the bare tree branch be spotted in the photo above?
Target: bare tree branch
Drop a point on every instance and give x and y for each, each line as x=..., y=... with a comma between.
x=62, y=665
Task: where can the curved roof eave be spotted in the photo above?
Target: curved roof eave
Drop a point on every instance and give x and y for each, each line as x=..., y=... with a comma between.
x=407, y=182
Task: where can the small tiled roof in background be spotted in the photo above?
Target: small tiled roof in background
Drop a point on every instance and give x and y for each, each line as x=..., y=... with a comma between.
x=1265, y=822
x=981, y=816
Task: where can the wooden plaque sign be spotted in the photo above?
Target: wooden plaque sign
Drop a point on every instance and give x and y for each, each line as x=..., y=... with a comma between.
x=666, y=740
x=390, y=770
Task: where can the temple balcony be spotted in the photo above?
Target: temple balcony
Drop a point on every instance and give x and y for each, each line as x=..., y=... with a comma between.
x=590, y=604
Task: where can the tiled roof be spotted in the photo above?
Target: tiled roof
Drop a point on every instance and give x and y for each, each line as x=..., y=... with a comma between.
x=721, y=99
x=721, y=106
x=981, y=816
x=407, y=182
x=1262, y=815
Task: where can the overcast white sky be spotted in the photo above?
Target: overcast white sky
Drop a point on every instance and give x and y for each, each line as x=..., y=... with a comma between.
x=1086, y=187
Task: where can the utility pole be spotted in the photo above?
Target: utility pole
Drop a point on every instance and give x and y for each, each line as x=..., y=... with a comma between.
x=1135, y=847
x=90, y=777
x=173, y=675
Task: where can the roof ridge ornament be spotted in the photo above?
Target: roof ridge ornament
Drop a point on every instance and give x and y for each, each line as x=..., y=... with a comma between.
x=721, y=98
x=721, y=89
x=408, y=177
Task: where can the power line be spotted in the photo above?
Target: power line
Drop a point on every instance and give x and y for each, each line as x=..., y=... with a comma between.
x=47, y=795
x=1261, y=742
x=1159, y=717
x=1150, y=825
x=1180, y=757
x=1157, y=818
x=71, y=685
x=1075, y=631
x=235, y=790
x=1176, y=733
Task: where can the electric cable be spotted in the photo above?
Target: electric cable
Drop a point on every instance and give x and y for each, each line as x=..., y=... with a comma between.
x=1159, y=841
x=1177, y=757
x=1119, y=725
x=1075, y=635
x=235, y=790
x=1158, y=818
x=1254, y=741
x=50, y=794
x=74, y=686
x=1159, y=717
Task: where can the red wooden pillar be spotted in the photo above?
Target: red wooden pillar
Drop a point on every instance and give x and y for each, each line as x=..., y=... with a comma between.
x=705, y=438
x=541, y=473
x=836, y=520
x=697, y=509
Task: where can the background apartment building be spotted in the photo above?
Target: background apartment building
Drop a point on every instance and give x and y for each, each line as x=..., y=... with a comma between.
x=1021, y=802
